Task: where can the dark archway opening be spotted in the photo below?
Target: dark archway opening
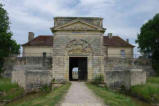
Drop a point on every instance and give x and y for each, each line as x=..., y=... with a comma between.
x=77, y=68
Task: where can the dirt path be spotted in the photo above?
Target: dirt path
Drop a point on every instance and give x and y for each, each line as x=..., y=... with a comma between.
x=80, y=95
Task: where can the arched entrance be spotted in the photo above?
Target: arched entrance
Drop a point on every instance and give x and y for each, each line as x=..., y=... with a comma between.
x=80, y=63
x=79, y=53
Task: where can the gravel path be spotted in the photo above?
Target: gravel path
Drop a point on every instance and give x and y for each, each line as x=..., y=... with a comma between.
x=80, y=95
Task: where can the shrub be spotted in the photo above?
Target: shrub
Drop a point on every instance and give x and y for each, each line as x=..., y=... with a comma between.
x=45, y=88
x=99, y=79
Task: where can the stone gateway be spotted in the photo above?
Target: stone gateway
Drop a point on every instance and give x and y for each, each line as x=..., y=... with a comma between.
x=79, y=42
x=80, y=51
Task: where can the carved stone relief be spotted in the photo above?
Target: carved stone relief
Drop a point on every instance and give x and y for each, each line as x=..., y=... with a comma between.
x=78, y=47
x=78, y=26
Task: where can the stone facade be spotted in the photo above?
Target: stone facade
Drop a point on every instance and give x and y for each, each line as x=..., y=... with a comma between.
x=79, y=37
x=32, y=51
x=116, y=52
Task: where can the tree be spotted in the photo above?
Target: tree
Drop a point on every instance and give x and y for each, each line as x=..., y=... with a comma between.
x=148, y=41
x=8, y=46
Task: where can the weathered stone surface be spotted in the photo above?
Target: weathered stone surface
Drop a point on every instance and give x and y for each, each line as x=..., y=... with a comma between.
x=80, y=37
x=31, y=79
x=83, y=43
x=32, y=73
x=58, y=21
x=11, y=63
x=114, y=64
x=85, y=46
x=117, y=79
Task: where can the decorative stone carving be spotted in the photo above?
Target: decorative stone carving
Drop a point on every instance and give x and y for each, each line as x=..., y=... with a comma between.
x=78, y=26
x=78, y=47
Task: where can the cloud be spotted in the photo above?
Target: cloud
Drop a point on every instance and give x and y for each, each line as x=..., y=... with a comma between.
x=121, y=17
x=95, y=2
x=54, y=7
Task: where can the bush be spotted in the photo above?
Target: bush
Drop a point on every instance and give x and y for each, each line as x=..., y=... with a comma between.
x=155, y=65
x=45, y=88
x=99, y=79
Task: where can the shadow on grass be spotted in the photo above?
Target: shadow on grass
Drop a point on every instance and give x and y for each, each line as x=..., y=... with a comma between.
x=50, y=99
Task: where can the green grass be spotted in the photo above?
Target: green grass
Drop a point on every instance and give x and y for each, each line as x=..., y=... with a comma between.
x=153, y=80
x=10, y=90
x=149, y=91
x=50, y=99
x=111, y=98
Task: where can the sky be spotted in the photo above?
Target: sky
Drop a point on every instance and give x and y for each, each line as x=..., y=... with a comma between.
x=121, y=17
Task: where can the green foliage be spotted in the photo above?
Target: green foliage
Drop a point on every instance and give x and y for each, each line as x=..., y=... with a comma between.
x=155, y=64
x=8, y=46
x=99, y=79
x=45, y=88
x=9, y=90
x=153, y=80
x=148, y=40
x=149, y=91
x=51, y=99
x=111, y=98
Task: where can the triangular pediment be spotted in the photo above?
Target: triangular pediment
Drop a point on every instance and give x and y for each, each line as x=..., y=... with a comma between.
x=77, y=25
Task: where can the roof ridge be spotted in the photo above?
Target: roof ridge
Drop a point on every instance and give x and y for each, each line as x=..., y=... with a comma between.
x=40, y=40
x=125, y=41
x=116, y=41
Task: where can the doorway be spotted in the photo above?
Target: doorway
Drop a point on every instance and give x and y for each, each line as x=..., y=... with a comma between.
x=77, y=68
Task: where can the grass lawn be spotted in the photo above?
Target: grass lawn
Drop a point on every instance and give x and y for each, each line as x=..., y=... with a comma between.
x=50, y=99
x=9, y=90
x=111, y=98
x=149, y=91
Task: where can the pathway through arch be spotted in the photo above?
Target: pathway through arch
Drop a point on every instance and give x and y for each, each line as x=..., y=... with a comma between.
x=80, y=95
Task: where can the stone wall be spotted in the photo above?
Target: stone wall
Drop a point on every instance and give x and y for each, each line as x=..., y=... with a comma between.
x=118, y=79
x=31, y=73
x=37, y=51
x=31, y=79
x=121, y=64
x=137, y=76
x=38, y=62
x=126, y=71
